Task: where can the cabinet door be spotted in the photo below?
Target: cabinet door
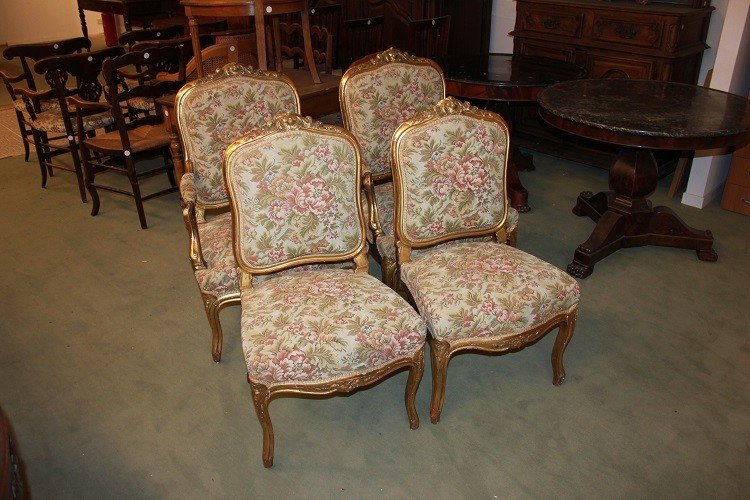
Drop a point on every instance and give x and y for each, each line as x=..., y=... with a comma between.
x=610, y=65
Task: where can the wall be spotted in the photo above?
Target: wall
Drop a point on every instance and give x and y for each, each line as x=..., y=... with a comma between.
x=28, y=21
x=503, y=21
x=730, y=59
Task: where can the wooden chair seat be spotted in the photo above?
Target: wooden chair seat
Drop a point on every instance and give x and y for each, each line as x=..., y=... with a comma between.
x=143, y=138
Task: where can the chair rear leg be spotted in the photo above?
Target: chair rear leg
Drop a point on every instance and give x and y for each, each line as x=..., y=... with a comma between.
x=261, y=398
x=47, y=150
x=217, y=336
x=136, y=191
x=561, y=342
x=79, y=170
x=170, y=168
x=40, y=156
x=24, y=135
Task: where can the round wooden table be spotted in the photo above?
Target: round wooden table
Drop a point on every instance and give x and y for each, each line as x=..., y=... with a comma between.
x=507, y=79
x=641, y=116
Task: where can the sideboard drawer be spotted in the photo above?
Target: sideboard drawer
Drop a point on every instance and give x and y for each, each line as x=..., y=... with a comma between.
x=556, y=51
x=736, y=198
x=627, y=30
x=609, y=65
x=552, y=22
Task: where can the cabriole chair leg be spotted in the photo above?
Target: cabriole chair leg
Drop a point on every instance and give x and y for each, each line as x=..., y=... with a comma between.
x=261, y=398
x=412, y=384
x=564, y=335
x=439, y=355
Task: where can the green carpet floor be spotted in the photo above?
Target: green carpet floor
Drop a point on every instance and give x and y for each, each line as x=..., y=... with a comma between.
x=107, y=378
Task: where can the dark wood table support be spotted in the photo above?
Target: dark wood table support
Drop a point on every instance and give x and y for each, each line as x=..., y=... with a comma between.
x=641, y=116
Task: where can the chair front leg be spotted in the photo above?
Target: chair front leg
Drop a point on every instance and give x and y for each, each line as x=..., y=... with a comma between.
x=513, y=238
x=564, y=335
x=261, y=398
x=40, y=155
x=439, y=355
x=412, y=384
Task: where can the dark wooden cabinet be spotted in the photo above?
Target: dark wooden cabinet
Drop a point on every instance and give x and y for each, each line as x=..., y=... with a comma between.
x=611, y=39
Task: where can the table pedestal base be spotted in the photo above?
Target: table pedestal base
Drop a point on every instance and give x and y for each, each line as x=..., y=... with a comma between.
x=517, y=194
x=630, y=221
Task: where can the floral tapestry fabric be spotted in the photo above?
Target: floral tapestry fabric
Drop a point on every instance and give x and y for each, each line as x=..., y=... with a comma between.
x=20, y=105
x=319, y=326
x=211, y=117
x=453, y=172
x=52, y=121
x=486, y=290
x=378, y=101
x=188, y=191
x=296, y=193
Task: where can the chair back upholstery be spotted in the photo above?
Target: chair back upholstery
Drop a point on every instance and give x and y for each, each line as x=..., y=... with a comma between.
x=215, y=110
x=37, y=51
x=294, y=187
x=129, y=38
x=429, y=37
x=123, y=86
x=85, y=68
x=449, y=174
x=380, y=93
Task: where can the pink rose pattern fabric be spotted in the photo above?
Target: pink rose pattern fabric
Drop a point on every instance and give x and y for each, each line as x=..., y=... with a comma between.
x=378, y=101
x=486, y=290
x=297, y=196
x=452, y=171
x=212, y=117
x=319, y=326
x=52, y=121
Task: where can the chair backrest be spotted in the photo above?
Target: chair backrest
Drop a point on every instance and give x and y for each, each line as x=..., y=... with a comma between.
x=123, y=86
x=329, y=17
x=379, y=93
x=292, y=45
x=37, y=51
x=85, y=68
x=129, y=38
x=217, y=56
x=360, y=38
x=449, y=177
x=429, y=37
x=294, y=187
x=215, y=110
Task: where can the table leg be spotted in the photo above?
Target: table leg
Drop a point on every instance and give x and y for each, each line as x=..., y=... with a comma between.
x=517, y=194
x=625, y=217
x=84, y=28
x=195, y=39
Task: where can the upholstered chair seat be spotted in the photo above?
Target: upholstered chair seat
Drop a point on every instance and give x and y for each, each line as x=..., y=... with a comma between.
x=316, y=327
x=52, y=122
x=482, y=290
x=475, y=294
x=20, y=105
x=142, y=104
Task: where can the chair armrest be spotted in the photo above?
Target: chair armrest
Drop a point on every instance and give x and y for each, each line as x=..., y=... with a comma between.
x=369, y=189
x=12, y=79
x=188, y=193
x=168, y=77
x=35, y=94
x=82, y=104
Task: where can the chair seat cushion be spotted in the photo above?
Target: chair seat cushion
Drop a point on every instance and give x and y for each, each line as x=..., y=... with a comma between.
x=318, y=326
x=473, y=290
x=141, y=104
x=143, y=138
x=220, y=279
x=52, y=121
x=20, y=105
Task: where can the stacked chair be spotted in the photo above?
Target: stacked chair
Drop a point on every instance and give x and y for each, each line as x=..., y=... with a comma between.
x=377, y=95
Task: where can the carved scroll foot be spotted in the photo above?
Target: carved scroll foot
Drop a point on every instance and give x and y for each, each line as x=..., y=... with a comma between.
x=261, y=398
x=564, y=335
x=415, y=376
x=440, y=355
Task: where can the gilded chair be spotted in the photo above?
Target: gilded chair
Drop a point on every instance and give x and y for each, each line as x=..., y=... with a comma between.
x=450, y=168
x=377, y=95
x=294, y=187
x=133, y=139
x=211, y=113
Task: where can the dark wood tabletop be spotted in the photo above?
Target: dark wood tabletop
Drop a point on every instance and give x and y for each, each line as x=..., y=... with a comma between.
x=647, y=114
x=641, y=116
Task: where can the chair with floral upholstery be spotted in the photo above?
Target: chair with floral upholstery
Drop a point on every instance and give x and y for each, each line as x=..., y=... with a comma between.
x=294, y=187
x=377, y=94
x=211, y=113
x=450, y=165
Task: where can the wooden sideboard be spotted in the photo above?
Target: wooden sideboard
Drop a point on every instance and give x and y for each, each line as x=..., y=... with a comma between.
x=611, y=39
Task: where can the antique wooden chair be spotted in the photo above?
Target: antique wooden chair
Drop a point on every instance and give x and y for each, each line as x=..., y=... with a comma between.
x=60, y=123
x=450, y=166
x=134, y=139
x=378, y=94
x=25, y=108
x=211, y=113
x=361, y=37
x=294, y=188
x=130, y=38
x=429, y=37
x=290, y=45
